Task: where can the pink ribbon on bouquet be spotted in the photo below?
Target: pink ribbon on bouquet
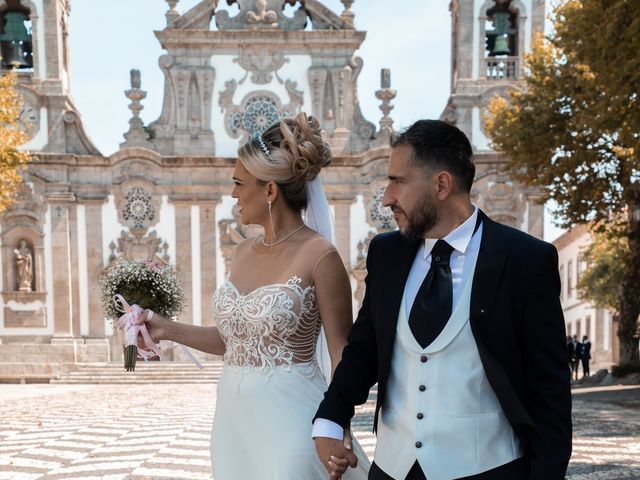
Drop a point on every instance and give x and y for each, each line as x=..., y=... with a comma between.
x=132, y=325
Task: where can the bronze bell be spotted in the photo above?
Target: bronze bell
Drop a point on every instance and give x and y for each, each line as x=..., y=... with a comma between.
x=500, y=34
x=501, y=47
x=16, y=41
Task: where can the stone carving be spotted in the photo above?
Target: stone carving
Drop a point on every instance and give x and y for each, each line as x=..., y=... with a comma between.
x=347, y=15
x=261, y=63
x=134, y=246
x=262, y=14
x=257, y=111
x=498, y=196
x=184, y=125
x=137, y=209
x=172, y=14
x=379, y=216
x=24, y=267
x=323, y=18
x=136, y=136
x=385, y=94
x=136, y=169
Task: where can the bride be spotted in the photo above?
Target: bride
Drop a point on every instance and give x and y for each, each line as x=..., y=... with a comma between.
x=283, y=289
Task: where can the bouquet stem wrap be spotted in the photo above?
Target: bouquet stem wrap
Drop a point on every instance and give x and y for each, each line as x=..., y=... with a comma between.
x=132, y=325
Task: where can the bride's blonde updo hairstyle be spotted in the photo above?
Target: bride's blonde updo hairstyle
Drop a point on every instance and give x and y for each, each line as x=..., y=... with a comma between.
x=290, y=154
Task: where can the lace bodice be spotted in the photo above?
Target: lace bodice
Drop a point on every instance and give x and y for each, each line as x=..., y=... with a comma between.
x=273, y=325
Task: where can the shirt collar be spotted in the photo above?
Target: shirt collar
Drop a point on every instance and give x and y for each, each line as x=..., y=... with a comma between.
x=459, y=238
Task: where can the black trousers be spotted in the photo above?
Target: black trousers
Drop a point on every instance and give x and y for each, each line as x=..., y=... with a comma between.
x=516, y=470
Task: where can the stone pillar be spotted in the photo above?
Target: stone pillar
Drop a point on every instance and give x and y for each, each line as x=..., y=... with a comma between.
x=73, y=261
x=35, y=44
x=183, y=255
x=95, y=265
x=208, y=254
x=39, y=270
x=61, y=210
x=342, y=213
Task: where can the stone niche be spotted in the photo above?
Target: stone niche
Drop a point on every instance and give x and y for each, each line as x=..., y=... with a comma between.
x=22, y=248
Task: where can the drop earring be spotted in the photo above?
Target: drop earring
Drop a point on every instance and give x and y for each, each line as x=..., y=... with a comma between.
x=273, y=230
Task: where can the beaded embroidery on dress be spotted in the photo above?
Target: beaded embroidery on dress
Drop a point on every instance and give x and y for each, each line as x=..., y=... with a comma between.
x=272, y=325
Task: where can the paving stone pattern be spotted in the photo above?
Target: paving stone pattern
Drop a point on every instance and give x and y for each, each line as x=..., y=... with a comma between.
x=115, y=432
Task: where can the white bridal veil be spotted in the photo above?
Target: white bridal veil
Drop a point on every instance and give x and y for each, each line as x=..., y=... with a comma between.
x=318, y=217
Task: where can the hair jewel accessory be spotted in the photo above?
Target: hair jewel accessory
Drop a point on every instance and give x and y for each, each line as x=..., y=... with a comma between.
x=264, y=148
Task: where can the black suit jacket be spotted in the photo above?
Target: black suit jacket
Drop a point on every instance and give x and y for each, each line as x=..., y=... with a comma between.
x=517, y=323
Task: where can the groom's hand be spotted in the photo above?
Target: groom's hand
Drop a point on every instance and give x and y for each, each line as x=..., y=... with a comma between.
x=334, y=456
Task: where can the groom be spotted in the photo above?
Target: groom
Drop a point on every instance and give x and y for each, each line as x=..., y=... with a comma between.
x=462, y=329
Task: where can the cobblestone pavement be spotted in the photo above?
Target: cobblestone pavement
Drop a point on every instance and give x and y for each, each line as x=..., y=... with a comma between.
x=162, y=432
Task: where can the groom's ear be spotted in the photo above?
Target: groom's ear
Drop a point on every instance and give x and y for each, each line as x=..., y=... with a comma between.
x=445, y=184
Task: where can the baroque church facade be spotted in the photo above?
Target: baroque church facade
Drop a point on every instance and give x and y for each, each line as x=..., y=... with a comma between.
x=228, y=76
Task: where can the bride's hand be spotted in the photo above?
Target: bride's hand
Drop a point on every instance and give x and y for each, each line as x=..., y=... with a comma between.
x=348, y=439
x=156, y=325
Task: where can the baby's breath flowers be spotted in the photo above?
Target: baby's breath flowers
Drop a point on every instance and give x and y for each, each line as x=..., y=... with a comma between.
x=150, y=284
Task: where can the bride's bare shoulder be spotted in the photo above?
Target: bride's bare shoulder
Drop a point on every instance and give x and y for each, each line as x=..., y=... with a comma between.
x=315, y=245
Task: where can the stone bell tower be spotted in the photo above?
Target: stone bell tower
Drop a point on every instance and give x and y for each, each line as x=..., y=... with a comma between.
x=34, y=39
x=489, y=41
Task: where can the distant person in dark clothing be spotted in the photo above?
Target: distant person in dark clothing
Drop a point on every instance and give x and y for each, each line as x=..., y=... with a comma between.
x=576, y=348
x=571, y=351
x=586, y=356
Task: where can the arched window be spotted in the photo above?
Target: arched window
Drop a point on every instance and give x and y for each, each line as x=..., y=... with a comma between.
x=501, y=41
x=501, y=33
x=16, y=46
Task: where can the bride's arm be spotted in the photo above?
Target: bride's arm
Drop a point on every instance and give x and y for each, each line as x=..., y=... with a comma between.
x=205, y=339
x=333, y=293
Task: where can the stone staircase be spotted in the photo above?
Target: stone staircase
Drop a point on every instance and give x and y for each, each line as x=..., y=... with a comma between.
x=146, y=372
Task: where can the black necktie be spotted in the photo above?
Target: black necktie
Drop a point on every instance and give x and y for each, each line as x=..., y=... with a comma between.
x=432, y=307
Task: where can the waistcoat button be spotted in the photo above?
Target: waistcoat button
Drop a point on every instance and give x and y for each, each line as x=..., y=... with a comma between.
x=422, y=388
x=418, y=444
x=423, y=359
x=420, y=416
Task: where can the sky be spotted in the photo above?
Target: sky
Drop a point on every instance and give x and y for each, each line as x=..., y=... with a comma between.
x=110, y=37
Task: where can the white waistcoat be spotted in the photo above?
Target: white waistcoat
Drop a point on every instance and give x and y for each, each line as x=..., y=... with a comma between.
x=462, y=430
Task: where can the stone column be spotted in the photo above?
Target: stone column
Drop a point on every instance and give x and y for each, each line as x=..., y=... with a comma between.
x=73, y=257
x=208, y=253
x=35, y=44
x=183, y=254
x=62, y=208
x=39, y=270
x=342, y=213
x=95, y=265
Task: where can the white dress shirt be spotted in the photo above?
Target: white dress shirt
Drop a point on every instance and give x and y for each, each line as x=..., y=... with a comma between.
x=466, y=247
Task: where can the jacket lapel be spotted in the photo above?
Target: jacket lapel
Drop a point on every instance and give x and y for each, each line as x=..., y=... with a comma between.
x=488, y=273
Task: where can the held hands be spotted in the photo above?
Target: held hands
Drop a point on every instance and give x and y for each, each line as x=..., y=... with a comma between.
x=336, y=456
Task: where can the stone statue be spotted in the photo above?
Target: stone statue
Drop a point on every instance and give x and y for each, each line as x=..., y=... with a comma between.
x=135, y=78
x=24, y=267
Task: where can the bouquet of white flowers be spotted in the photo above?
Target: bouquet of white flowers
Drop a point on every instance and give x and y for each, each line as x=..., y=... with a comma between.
x=127, y=289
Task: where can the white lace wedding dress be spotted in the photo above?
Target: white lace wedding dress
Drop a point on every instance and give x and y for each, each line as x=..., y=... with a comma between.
x=271, y=385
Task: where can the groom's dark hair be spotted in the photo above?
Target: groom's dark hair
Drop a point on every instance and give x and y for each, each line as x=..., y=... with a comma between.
x=440, y=145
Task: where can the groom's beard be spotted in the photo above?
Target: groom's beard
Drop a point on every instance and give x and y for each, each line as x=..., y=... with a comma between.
x=422, y=219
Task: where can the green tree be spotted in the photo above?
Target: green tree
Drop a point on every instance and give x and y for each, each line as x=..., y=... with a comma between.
x=605, y=260
x=11, y=137
x=575, y=130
